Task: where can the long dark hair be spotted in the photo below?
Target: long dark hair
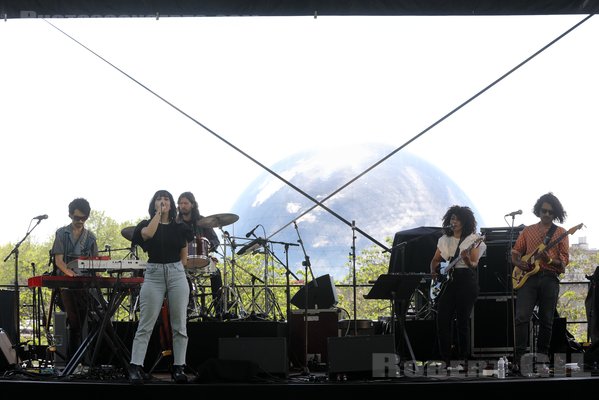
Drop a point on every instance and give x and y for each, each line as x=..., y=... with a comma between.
x=195, y=212
x=558, y=210
x=172, y=213
x=464, y=215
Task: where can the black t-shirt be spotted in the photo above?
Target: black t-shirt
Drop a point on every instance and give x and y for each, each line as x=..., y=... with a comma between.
x=165, y=246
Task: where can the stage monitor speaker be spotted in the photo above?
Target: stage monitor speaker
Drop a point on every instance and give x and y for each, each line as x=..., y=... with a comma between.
x=353, y=355
x=269, y=353
x=7, y=313
x=321, y=293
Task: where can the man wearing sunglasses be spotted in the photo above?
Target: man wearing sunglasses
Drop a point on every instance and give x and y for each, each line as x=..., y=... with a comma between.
x=541, y=288
x=71, y=242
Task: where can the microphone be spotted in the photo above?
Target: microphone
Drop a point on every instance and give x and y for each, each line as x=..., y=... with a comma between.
x=250, y=233
x=513, y=213
x=40, y=217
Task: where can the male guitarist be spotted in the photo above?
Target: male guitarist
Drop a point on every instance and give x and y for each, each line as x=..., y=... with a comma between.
x=460, y=290
x=541, y=288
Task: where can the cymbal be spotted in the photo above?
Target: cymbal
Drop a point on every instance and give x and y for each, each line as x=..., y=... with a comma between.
x=128, y=232
x=217, y=220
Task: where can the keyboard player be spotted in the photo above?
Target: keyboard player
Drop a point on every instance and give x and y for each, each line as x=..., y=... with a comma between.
x=71, y=242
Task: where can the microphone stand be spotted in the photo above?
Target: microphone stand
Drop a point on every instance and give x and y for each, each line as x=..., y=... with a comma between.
x=353, y=256
x=287, y=273
x=511, y=287
x=15, y=251
x=307, y=266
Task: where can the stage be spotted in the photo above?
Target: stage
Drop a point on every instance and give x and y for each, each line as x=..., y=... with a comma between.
x=266, y=358
x=313, y=386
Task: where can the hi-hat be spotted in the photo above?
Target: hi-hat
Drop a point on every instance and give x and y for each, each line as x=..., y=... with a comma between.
x=217, y=220
x=128, y=232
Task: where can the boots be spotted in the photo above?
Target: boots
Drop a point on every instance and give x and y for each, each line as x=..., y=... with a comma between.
x=137, y=374
x=179, y=374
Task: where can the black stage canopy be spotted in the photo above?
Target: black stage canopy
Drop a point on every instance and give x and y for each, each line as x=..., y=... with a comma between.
x=179, y=8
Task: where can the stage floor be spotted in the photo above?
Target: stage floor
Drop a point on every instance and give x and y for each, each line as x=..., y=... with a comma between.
x=310, y=386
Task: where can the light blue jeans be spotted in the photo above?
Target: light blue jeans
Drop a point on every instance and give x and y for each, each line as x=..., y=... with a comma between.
x=162, y=281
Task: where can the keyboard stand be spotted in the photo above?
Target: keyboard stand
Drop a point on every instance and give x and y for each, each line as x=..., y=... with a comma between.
x=100, y=316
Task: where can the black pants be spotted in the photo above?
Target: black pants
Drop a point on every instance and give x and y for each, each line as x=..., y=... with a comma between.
x=541, y=289
x=456, y=303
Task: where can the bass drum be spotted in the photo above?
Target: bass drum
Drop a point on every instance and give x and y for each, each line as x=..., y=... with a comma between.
x=197, y=253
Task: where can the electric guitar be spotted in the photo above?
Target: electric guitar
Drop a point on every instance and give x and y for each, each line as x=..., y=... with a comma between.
x=446, y=269
x=519, y=276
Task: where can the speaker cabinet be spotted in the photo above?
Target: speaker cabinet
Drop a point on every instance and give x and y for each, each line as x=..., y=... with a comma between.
x=353, y=355
x=269, y=353
x=322, y=324
x=7, y=314
x=495, y=270
x=321, y=293
x=492, y=325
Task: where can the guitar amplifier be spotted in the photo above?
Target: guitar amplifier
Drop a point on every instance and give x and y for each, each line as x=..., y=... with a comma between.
x=492, y=326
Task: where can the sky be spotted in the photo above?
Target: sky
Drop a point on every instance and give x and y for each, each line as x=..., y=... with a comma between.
x=114, y=109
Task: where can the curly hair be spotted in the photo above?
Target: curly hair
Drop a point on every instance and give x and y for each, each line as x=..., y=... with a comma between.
x=558, y=210
x=80, y=204
x=464, y=215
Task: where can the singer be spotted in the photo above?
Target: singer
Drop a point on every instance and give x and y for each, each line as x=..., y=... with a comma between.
x=459, y=246
x=541, y=288
x=165, y=241
x=70, y=242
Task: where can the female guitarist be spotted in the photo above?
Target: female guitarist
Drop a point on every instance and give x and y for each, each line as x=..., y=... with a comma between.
x=541, y=288
x=460, y=288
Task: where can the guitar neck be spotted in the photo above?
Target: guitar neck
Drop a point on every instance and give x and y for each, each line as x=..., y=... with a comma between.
x=556, y=241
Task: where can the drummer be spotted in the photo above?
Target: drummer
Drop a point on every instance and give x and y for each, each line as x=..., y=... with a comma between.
x=189, y=214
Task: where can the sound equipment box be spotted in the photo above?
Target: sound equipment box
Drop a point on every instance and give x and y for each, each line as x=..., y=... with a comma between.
x=7, y=314
x=353, y=355
x=322, y=324
x=321, y=293
x=495, y=269
x=492, y=329
x=268, y=353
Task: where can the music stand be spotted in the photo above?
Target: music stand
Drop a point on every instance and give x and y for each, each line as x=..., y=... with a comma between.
x=397, y=288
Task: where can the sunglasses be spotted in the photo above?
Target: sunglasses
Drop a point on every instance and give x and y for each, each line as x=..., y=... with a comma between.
x=545, y=211
x=79, y=218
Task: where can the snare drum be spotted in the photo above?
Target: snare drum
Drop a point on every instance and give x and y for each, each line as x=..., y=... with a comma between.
x=197, y=253
x=200, y=272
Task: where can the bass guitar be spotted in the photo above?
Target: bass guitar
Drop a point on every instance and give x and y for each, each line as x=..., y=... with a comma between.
x=519, y=276
x=445, y=270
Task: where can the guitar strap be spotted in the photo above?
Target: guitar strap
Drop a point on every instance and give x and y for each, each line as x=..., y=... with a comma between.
x=457, y=249
x=550, y=233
